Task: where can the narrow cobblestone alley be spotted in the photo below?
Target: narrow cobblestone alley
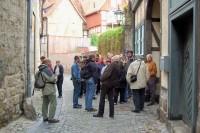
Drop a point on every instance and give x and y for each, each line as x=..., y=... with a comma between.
x=80, y=121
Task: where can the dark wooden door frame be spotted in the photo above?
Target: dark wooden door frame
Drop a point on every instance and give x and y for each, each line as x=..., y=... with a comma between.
x=173, y=111
x=198, y=51
x=149, y=29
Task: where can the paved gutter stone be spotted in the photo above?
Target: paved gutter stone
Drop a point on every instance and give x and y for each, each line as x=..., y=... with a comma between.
x=80, y=121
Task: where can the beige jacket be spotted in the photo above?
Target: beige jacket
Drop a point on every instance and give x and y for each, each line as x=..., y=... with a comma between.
x=141, y=76
x=49, y=88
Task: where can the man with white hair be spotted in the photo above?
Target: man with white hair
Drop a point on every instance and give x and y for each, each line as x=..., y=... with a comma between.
x=109, y=80
x=151, y=83
x=137, y=85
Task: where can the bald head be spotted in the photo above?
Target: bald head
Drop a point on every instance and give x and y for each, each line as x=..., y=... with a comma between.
x=116, y=58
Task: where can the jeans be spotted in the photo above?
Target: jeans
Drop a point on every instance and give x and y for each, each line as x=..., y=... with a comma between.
x=95, y=88
x=77, y=90
x=127, y=93
x=90, y=89
x=138, y=98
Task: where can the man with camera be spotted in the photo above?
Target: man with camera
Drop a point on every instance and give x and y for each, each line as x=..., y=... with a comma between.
x=136, y=77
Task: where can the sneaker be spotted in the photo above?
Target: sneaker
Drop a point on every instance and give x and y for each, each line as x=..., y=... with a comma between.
x=98, y=115
x=53, y=121
x=45, y=120
x=59, y=96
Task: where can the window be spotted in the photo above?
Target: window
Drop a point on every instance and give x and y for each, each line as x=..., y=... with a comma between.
x=94, y=5
x=139, y=40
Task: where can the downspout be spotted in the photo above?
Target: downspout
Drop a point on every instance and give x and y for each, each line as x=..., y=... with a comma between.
x=47, y=39
x=133, y=32
x=42, y=26
x=29, y=27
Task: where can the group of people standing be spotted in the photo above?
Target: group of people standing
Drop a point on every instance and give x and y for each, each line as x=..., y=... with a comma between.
x=111, y=77
x=127, y=75
x=89, y=74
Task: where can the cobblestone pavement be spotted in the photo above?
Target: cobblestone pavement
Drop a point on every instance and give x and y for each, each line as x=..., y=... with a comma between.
x=80, y=121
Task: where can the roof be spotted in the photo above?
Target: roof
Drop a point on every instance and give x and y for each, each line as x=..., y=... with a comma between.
x=106, y=5
x=98, y=6
x=50, y=6
x=79, y=9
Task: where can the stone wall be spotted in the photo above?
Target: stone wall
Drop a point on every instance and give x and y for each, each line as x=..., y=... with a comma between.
x=164, y=52
x=12, y=58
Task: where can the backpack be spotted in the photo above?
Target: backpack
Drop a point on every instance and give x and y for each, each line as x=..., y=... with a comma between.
x=39, y=80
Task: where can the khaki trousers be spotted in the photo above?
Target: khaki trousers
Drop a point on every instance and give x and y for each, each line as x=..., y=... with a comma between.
x=49, y=105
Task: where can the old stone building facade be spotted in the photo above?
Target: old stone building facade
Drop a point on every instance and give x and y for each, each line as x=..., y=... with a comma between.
x=65, y=24
x=179, y=105
x=12, y=58
x=177, y=30
x=146, y=30
x=15, y=52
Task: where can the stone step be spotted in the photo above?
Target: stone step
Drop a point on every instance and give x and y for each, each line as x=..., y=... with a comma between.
x=178, y=126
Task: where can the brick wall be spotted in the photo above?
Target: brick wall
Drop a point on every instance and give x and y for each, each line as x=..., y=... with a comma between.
x=12, y=59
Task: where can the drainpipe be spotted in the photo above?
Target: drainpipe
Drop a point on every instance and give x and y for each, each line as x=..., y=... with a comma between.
x=42, y=26
x=29, y=27
x=133, y=32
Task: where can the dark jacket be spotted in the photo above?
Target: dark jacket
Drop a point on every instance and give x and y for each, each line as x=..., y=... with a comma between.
x=99, y=66
x=110, y=77
x=128, y=64
x=61, y=71
x=122, y=76
x=93, y=70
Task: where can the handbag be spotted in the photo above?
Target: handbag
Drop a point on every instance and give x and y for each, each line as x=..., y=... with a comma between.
x=134, y=77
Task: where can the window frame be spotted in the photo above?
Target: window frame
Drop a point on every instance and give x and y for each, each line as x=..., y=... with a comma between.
x=139, y=40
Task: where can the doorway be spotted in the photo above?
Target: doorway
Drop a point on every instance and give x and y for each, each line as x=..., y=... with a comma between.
x=182, y=83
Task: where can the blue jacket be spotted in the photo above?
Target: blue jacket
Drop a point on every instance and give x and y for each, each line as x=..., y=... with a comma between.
x=75, y=71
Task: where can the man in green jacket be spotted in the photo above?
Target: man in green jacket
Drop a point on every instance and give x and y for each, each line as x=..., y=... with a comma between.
x=49, y=92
